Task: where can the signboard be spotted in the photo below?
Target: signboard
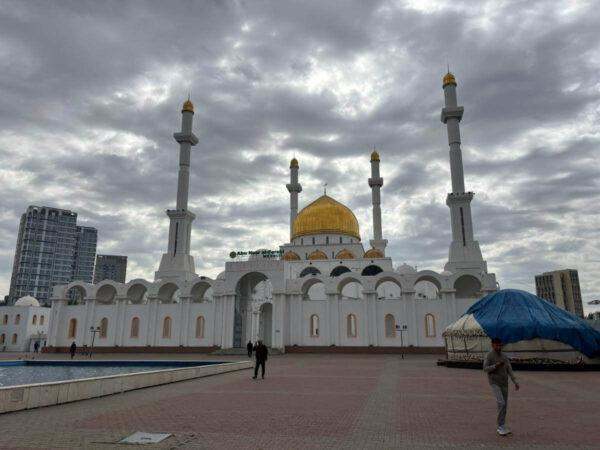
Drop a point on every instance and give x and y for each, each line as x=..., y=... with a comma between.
x=272, y=254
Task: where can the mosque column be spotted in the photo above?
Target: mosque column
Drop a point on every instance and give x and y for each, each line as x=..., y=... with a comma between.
x=371, y=300
x=294, y=189
x=279, y=325
x=333, y=318
x=90, y=309
x=120, y=304
x=464, y=249
x=152, y=310
x=184, y=320
x=56, y=313
x=376, y=182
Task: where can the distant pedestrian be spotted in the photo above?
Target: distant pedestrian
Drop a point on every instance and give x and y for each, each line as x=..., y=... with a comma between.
x=73, y=349
x=261, y=354
x=249, y=347
x=498, y=368
x=36, y=347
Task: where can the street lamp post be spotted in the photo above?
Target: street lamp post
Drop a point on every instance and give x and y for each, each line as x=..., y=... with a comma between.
x=93, y=331
x=402, y=330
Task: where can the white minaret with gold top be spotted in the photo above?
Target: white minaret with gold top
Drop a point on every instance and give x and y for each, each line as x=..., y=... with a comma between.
x=294, y=189
x=464, y=249
x=376, y=182
x=177, y=262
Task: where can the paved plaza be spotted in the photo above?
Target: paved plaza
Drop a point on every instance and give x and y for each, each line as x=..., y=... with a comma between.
x=326, y=401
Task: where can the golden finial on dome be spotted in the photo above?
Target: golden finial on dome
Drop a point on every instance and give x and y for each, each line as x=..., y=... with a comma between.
x=449, y=79
x=294, y=163
x=188, y=106
x=375, y=155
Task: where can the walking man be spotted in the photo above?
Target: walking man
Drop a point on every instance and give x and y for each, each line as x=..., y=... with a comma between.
x=249, y=347
x=498, y=368
x=261, y=353
x=73, y=349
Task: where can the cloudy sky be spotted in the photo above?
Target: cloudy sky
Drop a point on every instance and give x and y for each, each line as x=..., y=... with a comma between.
x=92, y=92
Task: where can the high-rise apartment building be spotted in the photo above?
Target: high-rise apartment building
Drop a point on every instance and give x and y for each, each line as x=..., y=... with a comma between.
x=110, y=267
x=561, y=287
x=47, y=252
x=86, y=239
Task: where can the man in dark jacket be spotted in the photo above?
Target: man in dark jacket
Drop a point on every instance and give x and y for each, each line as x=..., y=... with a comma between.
x=249, y=347
x=261, y=352
x=73, y=349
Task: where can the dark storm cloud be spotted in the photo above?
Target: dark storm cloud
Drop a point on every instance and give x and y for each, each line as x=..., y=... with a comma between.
x=92, y=92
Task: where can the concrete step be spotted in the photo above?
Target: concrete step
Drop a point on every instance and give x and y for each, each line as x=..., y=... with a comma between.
x=242, y=351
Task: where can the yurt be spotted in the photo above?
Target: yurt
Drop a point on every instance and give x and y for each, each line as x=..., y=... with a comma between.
x=532, y=330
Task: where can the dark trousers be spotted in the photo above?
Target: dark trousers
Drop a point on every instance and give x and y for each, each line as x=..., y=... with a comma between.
x=262, y=364
x=250, y=353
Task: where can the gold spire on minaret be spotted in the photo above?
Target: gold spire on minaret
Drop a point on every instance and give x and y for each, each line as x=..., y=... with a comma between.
x=188, y=106
x=294, y=163
x=375, y=155
x=449, y=79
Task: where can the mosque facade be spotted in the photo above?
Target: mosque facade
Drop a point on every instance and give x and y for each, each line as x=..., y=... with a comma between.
x=325, y=288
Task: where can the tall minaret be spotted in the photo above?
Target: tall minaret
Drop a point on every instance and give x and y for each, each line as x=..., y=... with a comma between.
x=464, y=250
x=375, y=182
x=177, y=262
x=294, y=188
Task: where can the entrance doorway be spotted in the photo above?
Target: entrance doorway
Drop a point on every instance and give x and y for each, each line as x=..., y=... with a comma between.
x=242, y=315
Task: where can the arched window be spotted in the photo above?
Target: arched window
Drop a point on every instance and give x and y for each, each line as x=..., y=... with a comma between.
x=135, y=328
x=200, y=327
x=390, y=326
x=370, y=271
x=42, y=320
x=2, y=338
x=5, y=320
x=103, y=328
x=72, y=328
x=17, y=319
x=429, y=325
x=166, y=328
x=338, y=270
x=314, y=325
x=14, y=338
x=351, y=325
x=310, y=270
x=34, y=320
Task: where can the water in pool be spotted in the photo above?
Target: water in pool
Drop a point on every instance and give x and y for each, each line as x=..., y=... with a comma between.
x=28, y=372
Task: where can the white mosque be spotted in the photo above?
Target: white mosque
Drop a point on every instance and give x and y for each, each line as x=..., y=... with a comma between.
x=325, y=290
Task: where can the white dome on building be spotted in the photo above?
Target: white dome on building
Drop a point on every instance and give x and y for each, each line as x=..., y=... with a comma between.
x=28, y=300
x=405, y=269
x=446, y=273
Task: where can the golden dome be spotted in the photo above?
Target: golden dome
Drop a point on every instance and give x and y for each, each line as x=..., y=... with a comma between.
x=344, y=254
x=374, y=253
x=188, y=106
x=291, y=256
x=317, y=254
x=374, y=156
x=325, y=216
x=449, y=79
x=294, y=163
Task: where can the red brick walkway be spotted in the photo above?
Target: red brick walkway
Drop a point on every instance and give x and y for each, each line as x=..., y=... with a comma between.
x=328, y=401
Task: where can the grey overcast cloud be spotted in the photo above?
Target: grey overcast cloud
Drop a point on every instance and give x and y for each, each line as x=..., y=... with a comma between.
x=92, y=93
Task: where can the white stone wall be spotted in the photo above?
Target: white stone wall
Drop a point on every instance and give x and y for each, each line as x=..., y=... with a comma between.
x=25, y=330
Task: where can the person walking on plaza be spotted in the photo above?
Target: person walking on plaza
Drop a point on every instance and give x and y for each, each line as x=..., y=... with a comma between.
x=261, y=353
x=498, y=369
x=249, y=347
x=36, y=347
x=73, y=349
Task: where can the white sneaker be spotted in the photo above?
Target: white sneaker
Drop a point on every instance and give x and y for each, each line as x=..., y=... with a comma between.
x=502, y=431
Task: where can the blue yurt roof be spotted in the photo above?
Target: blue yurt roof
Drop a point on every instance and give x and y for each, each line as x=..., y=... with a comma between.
x=513, y=315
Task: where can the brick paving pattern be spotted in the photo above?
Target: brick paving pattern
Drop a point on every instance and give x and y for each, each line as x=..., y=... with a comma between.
x=325, y=402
